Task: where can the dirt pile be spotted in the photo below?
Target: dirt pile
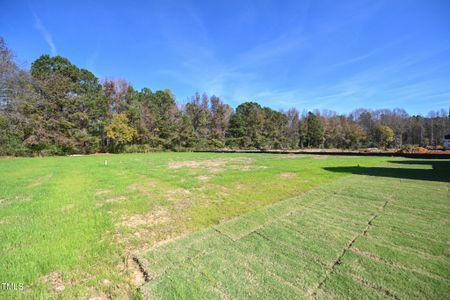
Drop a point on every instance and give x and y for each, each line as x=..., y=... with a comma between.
x=420, y=150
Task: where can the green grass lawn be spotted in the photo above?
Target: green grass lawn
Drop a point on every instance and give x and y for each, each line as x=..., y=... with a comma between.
x=70, y=225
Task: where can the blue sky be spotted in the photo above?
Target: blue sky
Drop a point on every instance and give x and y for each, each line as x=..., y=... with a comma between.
x=337, y=55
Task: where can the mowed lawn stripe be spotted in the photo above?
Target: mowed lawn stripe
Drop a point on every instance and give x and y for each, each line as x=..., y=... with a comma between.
x=355, y=237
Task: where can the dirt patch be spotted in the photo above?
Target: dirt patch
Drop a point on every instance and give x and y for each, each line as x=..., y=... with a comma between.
x=40, y=180
x=203, y=177
x=55, y=281
x=420, y=150
x=210, y=163
x=138, y=275
x=288, y=175
x=158, y=215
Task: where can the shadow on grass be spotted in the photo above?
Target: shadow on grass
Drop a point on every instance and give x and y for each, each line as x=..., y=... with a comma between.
x=436, y=164
x=440, y=170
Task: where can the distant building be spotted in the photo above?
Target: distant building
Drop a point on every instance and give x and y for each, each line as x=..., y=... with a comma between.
x=447, y=141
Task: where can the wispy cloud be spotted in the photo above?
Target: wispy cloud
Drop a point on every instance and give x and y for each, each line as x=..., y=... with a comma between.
x=45, y=34
x=235, y=78
x=325, y=64
x=393, y=83
x=91, y=60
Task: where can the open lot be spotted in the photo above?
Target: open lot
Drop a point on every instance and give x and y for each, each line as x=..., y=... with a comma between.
x=225, y=226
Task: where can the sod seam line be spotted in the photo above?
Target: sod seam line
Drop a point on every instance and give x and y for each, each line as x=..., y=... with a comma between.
x=268, y=223
x=411, y=232
x=223, y=234
x=302, y=234
x=418, y=210
x=305, y=206
x=399, y=266
x=345, y=250
x=371, y=285
x=407, y=249
x=331, y=216
x=293, y=223
x=288, y=246
x=265, y=224
x=396, y=230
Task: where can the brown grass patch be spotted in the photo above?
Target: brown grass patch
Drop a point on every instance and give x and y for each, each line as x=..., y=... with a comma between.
x=55, y=281
x=156, y=216
x=40, y=180
x=288, y=175
x=211, y=164
x=203, y=177
x=182, y=198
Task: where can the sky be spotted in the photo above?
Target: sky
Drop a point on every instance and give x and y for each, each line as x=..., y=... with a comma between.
x=335, y=55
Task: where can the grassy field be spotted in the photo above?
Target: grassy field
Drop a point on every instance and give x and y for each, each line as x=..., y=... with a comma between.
x=69, y=226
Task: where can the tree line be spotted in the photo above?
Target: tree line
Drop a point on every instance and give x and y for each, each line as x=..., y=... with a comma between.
x=56, y=108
